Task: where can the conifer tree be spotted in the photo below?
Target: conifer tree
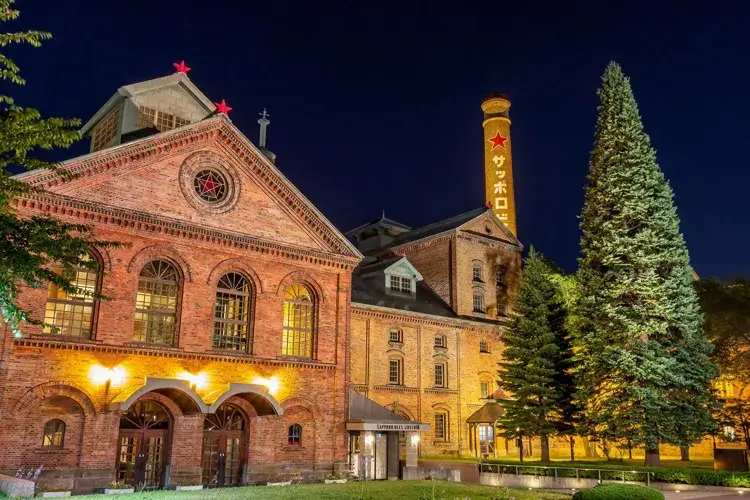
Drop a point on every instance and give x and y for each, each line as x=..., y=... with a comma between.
x=643, y=364
x=536, y=367
x=28, y=246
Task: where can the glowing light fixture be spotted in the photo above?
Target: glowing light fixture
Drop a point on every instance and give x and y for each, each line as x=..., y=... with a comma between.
x=196, y=381
x=415, y=439
x=369, y=439
x=111, y=376
x=272, y=383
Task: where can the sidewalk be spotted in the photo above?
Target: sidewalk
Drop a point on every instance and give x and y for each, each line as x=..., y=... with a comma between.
x=695, y=495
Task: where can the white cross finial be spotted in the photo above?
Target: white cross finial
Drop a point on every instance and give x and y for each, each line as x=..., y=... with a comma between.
x=264, y=122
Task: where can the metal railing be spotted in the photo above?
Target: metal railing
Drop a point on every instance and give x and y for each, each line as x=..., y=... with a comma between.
x=568, y=472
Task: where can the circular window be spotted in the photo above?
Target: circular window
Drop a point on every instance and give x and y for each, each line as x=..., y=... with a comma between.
x=210, y=186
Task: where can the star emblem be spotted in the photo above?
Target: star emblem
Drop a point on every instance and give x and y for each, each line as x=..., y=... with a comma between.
x=222, y=107
x=210, y=186
x=498, y=140
x=181, y=67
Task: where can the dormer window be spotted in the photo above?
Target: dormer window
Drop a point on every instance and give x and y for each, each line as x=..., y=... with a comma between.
x=105, y=130
x=400, y=284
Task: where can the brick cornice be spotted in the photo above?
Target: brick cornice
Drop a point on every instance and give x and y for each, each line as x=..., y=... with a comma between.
x=488, y=242
x=89, y=346
x=359, y=309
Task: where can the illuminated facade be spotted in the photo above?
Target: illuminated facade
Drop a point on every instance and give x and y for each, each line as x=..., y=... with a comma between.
x=498, y=161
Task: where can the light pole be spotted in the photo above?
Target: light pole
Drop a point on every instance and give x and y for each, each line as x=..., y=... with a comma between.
x=519, y=442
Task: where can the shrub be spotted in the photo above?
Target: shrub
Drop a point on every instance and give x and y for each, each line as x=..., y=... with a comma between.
x=614, y=491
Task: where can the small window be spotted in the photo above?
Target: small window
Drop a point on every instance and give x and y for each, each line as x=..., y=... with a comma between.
x=500, y=276
x=394, y=335
x=477, y=271
x=54, y=434
x=478, y=300
x=485, y=389
x=441, y=426
x=440, y=341
x=395, y=371
x=295, y=435
x=484, y=346
x=400, y=284
x=440, y=375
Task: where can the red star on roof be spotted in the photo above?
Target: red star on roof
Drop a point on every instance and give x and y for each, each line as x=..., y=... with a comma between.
x=181, y=67
x=488, y=204
x=498, y=140
x=222, y=107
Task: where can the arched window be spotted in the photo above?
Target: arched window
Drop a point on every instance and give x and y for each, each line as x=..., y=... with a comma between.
x=440, y=341
x=54, y=434
x=72, y=314
x=478, y=301
x=476, y=271
x=297, y=338
x=295, y=435
x=232, y=313
x=441, y=430
x=156, y=303
x=484, y=346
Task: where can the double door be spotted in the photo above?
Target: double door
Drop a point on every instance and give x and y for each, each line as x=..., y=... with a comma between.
x=222, y=458
x=141, y=458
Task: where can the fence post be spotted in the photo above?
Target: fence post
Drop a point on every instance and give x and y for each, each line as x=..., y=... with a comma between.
x=555, y=473
x=648, y=479
x=623, y=476
x=517, y=473
x=576, y=472
x=600, y=475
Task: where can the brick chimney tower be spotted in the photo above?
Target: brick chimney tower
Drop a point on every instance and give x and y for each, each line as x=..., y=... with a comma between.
x=498, y=160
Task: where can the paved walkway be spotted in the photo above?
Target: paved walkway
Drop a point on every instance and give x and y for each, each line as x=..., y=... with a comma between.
x=714, y=495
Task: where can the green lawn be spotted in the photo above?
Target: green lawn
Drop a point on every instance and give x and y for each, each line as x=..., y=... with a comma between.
x=376, y=490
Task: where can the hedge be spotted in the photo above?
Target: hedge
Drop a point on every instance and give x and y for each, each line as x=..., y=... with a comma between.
x=613, y=491
x=701, y=477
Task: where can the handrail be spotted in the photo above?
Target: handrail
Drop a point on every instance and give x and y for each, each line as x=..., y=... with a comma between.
x=483, y=466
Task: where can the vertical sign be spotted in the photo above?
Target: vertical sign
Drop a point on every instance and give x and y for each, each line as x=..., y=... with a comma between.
x=498, y=161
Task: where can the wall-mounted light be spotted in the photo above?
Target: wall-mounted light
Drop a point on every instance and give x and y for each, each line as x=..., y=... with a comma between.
x=415, y=439
x=271, y=383
x=369, y=439
x=110, y=376
x=196, y=381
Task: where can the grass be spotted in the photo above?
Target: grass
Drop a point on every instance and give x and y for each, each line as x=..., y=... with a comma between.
x=377, y=490
x=592, y=463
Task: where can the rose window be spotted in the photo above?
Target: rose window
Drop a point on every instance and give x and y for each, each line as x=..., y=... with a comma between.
x=210, y=186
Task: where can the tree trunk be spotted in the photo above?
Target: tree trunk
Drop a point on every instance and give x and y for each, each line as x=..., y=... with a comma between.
x=685, y=453
x=630, y=450
x=652, y=458
x=545, y=447
x=572, y=449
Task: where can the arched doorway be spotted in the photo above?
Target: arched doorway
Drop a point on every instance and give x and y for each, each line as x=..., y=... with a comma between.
x=143, y=444
x=224, y=446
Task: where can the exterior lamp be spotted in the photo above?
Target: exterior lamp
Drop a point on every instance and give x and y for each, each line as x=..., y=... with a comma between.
x=369, y=439
x=415, y=440
x=109, y=376
x=197, y=381
x=272, y=383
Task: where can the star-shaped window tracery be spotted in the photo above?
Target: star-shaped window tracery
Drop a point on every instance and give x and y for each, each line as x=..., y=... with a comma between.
x=210, y=186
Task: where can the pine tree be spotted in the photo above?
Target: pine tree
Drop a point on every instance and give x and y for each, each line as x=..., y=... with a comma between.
x=536, y=370
x=642, y=356
x=28, y=246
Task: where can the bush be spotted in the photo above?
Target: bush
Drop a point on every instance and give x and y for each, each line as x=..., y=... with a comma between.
x=614, y=491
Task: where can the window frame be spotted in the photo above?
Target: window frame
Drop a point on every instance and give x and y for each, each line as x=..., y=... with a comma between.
x=54, y=429
x=312, y=309
x=249, y=303
x=178, y=284
x=484, y=394
x=294, y=436
x=484, y=347
x=477, y=272
x=399, y=335
x=443, y=369
x=399, y=362
x=477, y=293
x=442, y=343
x=442, y=429
x=153, y=118
x=399, y=284
x=92, y=302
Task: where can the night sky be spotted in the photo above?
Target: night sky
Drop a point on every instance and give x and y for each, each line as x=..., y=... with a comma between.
x=377, y=108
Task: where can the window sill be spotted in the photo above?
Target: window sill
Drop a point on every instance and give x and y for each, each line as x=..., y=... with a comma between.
x=477, y=311
x=485, y=352
x=304, y=359
x=149, y=345
x=395, y=343
x=440, y=348
x=53, y=451
x=293, y=448
x=61, y=338
x=229, y=352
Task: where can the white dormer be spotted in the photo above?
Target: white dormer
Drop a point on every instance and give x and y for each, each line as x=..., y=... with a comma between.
x=402, y=277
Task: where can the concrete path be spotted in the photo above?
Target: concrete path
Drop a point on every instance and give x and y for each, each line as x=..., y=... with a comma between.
x=714, y=495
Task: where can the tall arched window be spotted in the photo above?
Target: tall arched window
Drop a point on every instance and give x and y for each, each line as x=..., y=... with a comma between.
x=478, y=301
x=232, y=313
x=476, y=271
x=72, y=314
x=54, y=434
x=295, y=435
x=156, y=303
x=298, y=322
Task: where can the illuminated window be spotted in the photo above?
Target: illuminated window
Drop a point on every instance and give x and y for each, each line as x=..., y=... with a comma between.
x=400, y=284
x=295, y=435
x=485, y=389
x=395, y=371
x=440, y=378
x=478, y=301
x=72, y=314
x=232, y=312
x=476, y=271
x=394, y=335
x=440, y=341
x=156, y=303
x=160, y=120
x=441, y=426
x=484, y=346
x=105, y=130
x=298, y=322
x=54, y=434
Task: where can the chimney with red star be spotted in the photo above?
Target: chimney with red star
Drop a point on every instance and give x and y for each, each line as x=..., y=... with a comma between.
x=498, y=160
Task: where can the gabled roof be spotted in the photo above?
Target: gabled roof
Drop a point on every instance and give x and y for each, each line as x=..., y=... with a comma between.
x=446, y=225
x=487, y=414
x=176, y=79
x=382, y=221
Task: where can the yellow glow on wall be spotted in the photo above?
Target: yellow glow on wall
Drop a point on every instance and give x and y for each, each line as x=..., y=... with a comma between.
x=101, y=375
x=197, y=381
x=273, y=383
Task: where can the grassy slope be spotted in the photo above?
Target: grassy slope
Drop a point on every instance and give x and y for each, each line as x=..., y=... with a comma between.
x=396, y=490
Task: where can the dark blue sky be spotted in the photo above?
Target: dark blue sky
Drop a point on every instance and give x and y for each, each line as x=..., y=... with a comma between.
x=376, y=105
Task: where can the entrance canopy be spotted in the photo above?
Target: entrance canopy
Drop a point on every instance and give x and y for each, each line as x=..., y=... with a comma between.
x=487, y=414
x=367, y=415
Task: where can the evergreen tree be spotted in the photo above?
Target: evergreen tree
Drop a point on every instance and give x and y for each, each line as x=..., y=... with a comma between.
x=28, y=246
x=643, y=364
x=536, y=370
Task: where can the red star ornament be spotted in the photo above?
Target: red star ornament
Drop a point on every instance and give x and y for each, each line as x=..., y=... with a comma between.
x=498, y=141
x=181, y=67
x=222, y=107
x=488, y=204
